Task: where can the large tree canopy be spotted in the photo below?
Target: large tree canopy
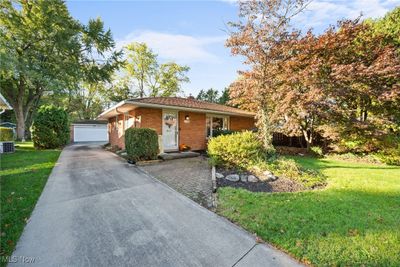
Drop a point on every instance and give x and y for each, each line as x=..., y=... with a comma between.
x=342, y=84
x=148, y=76
x=43, y=50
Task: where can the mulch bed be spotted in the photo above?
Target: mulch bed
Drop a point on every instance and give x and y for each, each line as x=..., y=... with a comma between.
x=282, y=184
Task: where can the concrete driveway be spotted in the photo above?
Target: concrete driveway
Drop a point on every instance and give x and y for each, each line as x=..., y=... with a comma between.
x=97, y=210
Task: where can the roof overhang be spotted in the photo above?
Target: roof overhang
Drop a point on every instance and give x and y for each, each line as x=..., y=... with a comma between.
x=3, y=103
x=127, y=105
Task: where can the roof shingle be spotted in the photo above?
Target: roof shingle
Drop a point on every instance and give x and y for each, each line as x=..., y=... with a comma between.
x=190, y=103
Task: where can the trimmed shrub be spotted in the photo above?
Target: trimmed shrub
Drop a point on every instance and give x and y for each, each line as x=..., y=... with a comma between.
x=6, y=134
x=240, y=149
x=50, y=128
x=141, y=144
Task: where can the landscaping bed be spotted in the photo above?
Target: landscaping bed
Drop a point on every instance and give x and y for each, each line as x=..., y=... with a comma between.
x=354, y=221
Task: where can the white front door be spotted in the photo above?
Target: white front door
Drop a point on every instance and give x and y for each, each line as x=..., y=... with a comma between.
x=170, y=129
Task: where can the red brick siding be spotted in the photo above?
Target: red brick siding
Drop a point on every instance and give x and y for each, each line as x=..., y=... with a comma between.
x=150, y=118
x=241, y=123
x=71, y=133
x=116, y=132
x=192, y=133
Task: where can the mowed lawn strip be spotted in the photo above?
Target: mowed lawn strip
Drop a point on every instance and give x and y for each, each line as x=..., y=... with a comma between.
x=355, y=221
x=23, y=176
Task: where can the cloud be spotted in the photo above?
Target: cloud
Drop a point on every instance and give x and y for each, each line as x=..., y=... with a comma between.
x=324, y=12
x=177, y=47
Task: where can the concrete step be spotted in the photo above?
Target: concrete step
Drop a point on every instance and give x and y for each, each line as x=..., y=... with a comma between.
x=178, y=155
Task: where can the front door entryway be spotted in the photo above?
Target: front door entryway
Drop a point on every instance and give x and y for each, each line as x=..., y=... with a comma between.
x=170, y=129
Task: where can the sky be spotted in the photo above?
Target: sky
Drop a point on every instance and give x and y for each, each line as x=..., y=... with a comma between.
x=193, y=33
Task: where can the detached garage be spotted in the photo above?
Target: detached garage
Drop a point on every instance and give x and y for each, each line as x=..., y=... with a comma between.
x=89, y=131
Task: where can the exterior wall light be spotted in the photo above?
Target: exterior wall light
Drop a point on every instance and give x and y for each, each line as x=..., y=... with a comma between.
x=187, y=119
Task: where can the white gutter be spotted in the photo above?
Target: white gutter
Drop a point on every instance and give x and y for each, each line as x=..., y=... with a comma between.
x=111, y=109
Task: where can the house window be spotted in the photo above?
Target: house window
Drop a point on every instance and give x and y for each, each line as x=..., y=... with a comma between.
x=215, y=123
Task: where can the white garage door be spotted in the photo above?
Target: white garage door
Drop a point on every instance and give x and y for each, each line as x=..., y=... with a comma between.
x=90, y=133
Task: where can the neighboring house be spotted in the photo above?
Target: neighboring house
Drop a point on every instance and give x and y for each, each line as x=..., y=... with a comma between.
x=89, y=131
x=176, y=120
x=4, y=104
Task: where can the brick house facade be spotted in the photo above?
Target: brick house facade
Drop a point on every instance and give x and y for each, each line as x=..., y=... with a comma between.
x=194, y=120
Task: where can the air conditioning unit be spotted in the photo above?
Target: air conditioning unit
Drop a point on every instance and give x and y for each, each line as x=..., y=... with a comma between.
x=7, y=147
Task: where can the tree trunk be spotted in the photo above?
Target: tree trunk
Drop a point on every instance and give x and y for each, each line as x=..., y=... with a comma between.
x=309, y=138
x=19, y=116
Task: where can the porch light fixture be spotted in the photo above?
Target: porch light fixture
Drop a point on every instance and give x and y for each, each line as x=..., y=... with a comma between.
x=187, y=119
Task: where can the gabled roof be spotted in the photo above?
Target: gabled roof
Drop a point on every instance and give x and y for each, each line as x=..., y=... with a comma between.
x=3, y=103
x=179, y=103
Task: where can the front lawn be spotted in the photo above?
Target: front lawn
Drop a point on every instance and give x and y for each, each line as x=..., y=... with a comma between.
x=23, y=175
x=354, y=221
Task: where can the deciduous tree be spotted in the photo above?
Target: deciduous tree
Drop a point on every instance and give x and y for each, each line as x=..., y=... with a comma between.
x=44, y=50
x=149, y=77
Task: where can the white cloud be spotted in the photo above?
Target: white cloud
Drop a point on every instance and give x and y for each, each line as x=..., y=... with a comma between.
x=325, y=12
x=177, y=47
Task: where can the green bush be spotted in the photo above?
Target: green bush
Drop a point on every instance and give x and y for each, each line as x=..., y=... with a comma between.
x=141, y=144
x=216, y=133
x=390, y=156
x=240, y=149
x=317, y=151
x=50, y=128
x=6, y=134
x=292, y=170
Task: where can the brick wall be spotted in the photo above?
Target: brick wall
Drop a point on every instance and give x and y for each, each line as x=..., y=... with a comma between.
x=192, y=133
x=150, y=118
x=71, y=133
x=241, y=123
x=116, y=131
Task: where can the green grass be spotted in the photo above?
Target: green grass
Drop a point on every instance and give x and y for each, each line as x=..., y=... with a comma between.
x=23, y=175
x=354, y=221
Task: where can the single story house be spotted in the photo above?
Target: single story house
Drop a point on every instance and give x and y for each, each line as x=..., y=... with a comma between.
x=177, y=120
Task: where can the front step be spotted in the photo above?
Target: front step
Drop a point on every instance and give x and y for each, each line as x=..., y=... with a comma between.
x=178, y=155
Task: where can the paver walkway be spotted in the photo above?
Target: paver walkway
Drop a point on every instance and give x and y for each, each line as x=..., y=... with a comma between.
x=97, y=210
x=190, y=177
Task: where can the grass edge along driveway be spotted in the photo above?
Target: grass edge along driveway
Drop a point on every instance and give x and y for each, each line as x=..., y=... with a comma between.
x=23, y=176
x=354, y=221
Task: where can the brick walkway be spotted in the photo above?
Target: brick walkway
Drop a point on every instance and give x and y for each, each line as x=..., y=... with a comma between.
x=190, y=177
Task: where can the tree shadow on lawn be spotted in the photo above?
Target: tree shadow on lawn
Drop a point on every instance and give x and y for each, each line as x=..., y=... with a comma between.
x=323, y=163
x=328, y=227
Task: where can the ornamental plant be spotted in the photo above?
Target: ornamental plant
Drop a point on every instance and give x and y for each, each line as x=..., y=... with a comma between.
x=50, y=128
x=141, y=144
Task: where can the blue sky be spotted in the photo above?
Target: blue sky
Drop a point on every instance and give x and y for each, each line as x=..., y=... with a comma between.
x=193, y=32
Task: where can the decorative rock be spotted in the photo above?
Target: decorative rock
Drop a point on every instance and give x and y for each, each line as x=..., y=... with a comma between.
x=243, y=178
x=267, y=173
x=219, y=175
x=252, y=179
x=272, y=177
x=232, y=177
